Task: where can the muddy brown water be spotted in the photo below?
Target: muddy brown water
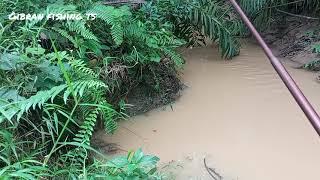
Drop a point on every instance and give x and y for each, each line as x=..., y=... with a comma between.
x=236, y=113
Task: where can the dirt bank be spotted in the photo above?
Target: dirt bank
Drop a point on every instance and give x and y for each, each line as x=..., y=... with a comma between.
x=293, y=38
x=154, y=92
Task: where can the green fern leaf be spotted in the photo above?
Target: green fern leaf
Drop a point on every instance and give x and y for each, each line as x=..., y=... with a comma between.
x=65, y=34
x=117, y=33
x=80, y=28
x=79, y=66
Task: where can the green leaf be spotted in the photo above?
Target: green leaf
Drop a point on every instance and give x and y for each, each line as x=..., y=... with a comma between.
x=10, y=94
x=118, y=162
x=138, y=155
x=9, y=61
x=94, y=46
x=316, y=48
x=35, y=50
x=152, y=42
x=117, y=33
x=131, y=168
x=149, y=160
x=155, y=57
x=51, y=72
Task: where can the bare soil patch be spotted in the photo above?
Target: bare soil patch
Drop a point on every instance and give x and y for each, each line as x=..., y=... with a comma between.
x=293, y=38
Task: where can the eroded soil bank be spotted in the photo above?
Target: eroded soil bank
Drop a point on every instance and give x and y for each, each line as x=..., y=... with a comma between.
x=294, y=38
x=236, y=113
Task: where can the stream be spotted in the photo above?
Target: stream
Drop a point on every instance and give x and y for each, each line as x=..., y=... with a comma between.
x=238, y=114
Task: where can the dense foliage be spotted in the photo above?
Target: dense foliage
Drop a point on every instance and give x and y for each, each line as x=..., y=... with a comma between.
x=264, y=11
x=58, y=79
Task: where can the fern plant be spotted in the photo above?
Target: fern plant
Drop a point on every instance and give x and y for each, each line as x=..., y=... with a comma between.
x=114, y=17
x=85, y=83
x=212, y=19
x=52, y=86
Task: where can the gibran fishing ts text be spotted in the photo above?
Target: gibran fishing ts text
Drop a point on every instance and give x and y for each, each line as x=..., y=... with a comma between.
x=51, y=16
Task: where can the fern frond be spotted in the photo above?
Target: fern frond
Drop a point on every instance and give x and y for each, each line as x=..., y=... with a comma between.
x=165, y=39
x=117, y=33
x=78, y=155
x=174, y=56
x=109, y=115
x=80, y=28
x=103, y=12
x=78, y=88
x=136, y=31
x=115, y=17
x=86, y=129
x=80, y=67
x=211, y=18
x=66, y=35
x=38, y=100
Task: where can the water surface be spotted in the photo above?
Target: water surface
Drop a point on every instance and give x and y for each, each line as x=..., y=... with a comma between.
x=236, y=113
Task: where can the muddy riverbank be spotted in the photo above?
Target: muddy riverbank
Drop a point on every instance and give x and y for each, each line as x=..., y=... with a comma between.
x=293, y=38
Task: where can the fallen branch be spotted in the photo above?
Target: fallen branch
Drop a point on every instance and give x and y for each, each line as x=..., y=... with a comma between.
x=212, y=172
x=297, y=15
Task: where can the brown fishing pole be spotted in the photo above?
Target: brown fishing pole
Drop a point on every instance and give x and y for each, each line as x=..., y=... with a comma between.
x=302, y=101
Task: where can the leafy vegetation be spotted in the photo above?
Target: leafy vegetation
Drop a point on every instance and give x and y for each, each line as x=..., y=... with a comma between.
x=195, y=20
x=262, y=11
x=61, y=79
x=315, y=64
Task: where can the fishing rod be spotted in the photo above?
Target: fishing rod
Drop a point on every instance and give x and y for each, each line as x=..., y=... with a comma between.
x=295, y=91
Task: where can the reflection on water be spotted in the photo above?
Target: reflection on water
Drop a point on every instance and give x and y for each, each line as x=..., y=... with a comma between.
x=238, y=114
